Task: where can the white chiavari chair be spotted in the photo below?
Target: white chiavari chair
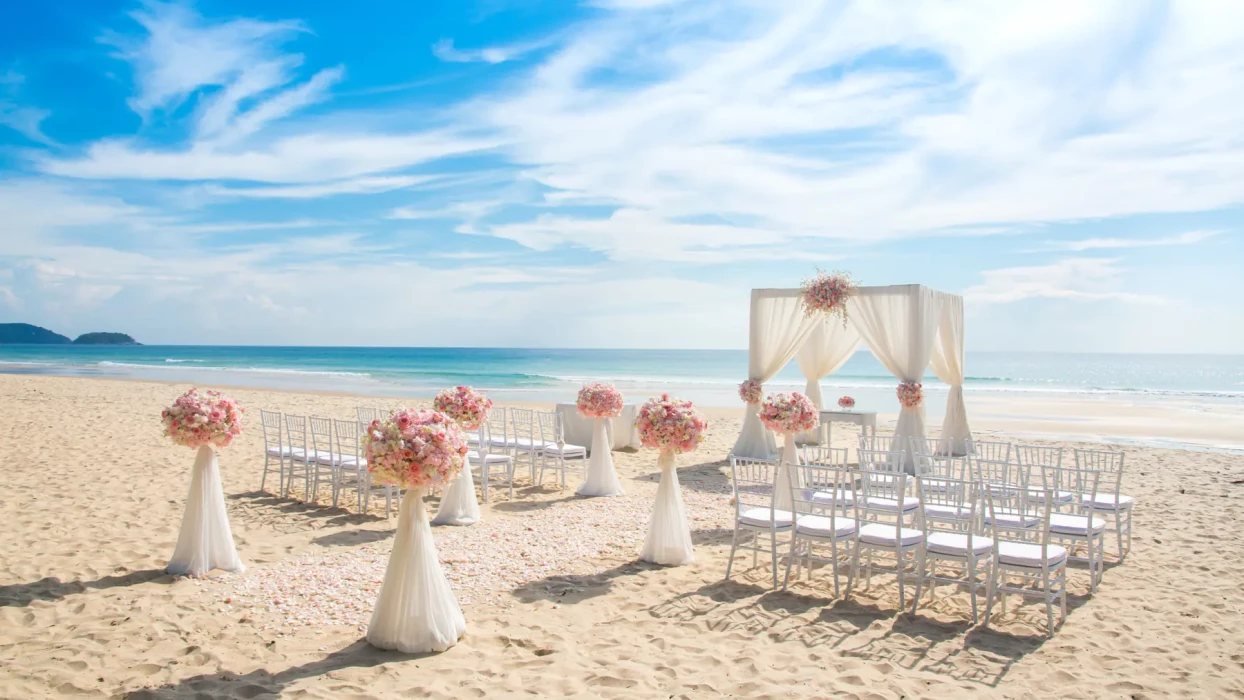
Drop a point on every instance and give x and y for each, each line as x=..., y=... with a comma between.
x=1013, y=513
x=1039, y=565
x=835, y=458
x=991, y=450
x=882, y=531
x=936, y=457
x=1109, y=500
x=351, y=459
x=485, y=458
x=1079, y=531
x=948, y=517
x=1042, y=466
x=755, y=517
x=818, y=526
x=523, y=438
x=302, y=457
x=274, y=447
x=366, y=414
x=321, y=430
x=555, y=450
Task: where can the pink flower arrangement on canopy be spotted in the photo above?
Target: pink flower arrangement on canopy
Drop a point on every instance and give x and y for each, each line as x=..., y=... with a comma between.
x=415, y=448
x=751, y=391
x=466, y=406
x=910, y=394
x=789, y=413
x=846, y=402
x=670, y=425
x=599, y=401
x=828, y=294
x=203, y=418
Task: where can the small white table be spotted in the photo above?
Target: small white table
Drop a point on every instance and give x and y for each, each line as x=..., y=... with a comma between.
x=578, y=429
x=867, y=422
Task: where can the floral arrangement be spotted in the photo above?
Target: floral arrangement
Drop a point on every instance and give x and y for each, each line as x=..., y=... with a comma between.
x=846, y=402
x=468, y=407
x=910, y=394
x=415, y=448
x=203, y=418
x=751, y=391
x=670, y=425
x=599, y=401
x=828, y=294
x=789, y=413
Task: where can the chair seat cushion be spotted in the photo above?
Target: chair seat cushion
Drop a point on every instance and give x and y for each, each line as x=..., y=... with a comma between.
x=490, y=458
x=824, y=526
x=889, y=505
x=956, y=544
x=947, y=512
x=1106, y=501
x=884, y=534
x=759, y=517
x=1013, y=520
x=551, y=448
x=1074, y=524
x=1038, y=494
x=1028, y=555
x=826, y=498
x=280, y=451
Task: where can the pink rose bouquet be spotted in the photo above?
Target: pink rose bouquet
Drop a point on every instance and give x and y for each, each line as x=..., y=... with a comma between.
x=910, y=394
x=468, y=407
x=600, y=401
x=828, y=294
x=751, y=391
x=203, y=418
x=670, y=425
x=415, y=448
x=789, y=413
x=846, y=402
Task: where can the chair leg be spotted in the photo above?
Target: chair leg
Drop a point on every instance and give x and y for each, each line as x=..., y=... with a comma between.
x=921, y=565
x=264, y=479
x=790, y=560
x=773, y=551
x=972, y=587
x=734, y=545
x=990, y=589
x=1049, y=600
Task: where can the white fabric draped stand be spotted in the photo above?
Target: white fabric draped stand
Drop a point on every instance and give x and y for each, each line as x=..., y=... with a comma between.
x=785, y=476
x=907, y=327
x=778, y=328
x=205, y=541
x=669, y=536
x=416, y=610
x=830, y=345
x=458, y=504
x=600, y=478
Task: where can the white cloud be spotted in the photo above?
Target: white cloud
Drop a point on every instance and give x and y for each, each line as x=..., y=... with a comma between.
x=25, y=120
x=445, y=50
x=362, y=185
x=1186, y=238
x=1083, y=279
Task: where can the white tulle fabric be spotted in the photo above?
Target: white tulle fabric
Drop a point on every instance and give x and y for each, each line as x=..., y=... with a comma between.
x=669, y=536
x=458, y=504
x=829, y=346
x=778, y=328
x=601, y=478
x=785, y=476
x=205, y=541
x=899, y=324
x=416, y=610
x=947, y=364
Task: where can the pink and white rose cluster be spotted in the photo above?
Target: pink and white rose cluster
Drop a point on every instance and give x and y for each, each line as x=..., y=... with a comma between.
x=203, y=418
x=415, y=448
x=828, y=294
x=751, y=391
x=599, y=401
x=670, y=425
x=910, y=394
x=846, y=402
x=789, y=413
x=466, y=406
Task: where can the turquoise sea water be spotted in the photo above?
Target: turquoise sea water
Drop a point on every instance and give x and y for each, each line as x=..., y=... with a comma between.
x=709, y=377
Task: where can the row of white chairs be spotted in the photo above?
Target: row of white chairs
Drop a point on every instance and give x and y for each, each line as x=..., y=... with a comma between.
x=311, y=448
x=990, y=531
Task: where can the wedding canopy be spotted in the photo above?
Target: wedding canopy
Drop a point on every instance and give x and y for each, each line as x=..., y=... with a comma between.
x=908, y=327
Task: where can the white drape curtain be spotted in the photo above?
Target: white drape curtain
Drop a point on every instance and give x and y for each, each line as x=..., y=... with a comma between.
x=830, y=344
x=778, y=329
x=669, y=535
x=947, y=364
x=458, y=504
x=205, y=541
x=899, y=324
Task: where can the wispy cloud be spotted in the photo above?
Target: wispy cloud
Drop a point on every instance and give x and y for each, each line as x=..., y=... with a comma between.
x=24, y=119
x=446, y=51
x=362, y=185
x=1082, y=279
x=1186, y=238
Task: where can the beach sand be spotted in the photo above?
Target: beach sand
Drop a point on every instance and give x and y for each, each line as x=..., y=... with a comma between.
x=555, y=600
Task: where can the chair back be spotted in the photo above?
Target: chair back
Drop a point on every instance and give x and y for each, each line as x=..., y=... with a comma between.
x=349, y=442
x=823, y=489
x=321, y=436
x=366, y=414
x=754, y=481
x=947, y=504
x=992, y=451
x=879, y=494
x=549, y=424
x=271, y=422
x=523, y=427
x=1003, y=503
x=881, y=460
x=296, y=432
x=936, y=457
x=497, y=424
x=1109, y=464
x=880, y=443
x=825, y=456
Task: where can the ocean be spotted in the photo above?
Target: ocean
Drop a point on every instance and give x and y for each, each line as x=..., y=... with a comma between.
x=709, y=377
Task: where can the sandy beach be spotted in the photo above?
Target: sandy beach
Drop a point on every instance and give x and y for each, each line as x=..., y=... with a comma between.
x=557, y=604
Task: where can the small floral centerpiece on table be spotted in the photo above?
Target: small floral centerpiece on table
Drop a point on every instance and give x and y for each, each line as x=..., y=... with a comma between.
x=828, y=294
x=910, y=394
x=673, y=426
x=846, y=403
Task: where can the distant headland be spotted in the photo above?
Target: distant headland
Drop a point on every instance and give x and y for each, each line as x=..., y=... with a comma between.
x=25, y=333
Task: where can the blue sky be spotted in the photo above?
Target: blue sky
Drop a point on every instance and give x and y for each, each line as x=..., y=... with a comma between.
x=619, y=173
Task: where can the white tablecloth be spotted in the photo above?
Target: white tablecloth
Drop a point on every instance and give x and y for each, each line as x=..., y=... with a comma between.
x=622, y=431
